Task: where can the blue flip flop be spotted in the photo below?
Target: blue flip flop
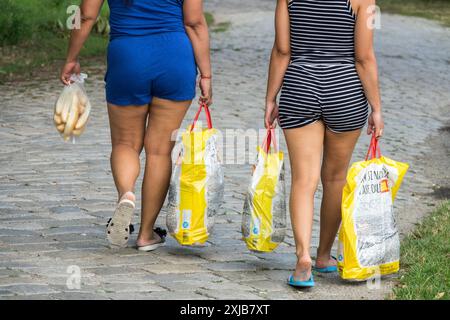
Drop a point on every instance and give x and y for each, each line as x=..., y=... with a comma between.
x=328, y=269
x=301, y=284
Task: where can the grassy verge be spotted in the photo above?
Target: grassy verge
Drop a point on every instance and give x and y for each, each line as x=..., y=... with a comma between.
x=33, y=37
x=214, y=26
x=27, y=58
x=426, y=259
x=431, y=9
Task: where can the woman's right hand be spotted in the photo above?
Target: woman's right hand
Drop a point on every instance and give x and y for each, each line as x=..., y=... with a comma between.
x=271, y=114
x=206, y=91
x=69, y=68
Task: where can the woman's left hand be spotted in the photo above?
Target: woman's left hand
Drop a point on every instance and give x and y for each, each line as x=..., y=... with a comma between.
x=376, y=124
x=206, y=91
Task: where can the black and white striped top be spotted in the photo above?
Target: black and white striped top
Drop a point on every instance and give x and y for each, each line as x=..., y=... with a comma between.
x=322, y=31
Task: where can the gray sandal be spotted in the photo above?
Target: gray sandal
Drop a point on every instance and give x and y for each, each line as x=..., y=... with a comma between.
x=118, y=228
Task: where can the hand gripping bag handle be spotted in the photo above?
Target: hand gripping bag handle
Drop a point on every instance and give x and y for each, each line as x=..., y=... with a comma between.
x=197, y=115
x=270, y=139
x=374, y=149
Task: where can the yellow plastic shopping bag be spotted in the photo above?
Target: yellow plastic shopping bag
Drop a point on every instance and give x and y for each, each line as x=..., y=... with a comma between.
x=369, y=243
x=264, y=213
x=196, y=187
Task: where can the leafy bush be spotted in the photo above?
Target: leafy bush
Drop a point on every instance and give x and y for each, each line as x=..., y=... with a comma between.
x=14, y=26
x=30, y=19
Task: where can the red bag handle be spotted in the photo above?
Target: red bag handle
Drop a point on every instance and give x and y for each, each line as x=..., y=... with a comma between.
x=268, y=140
x=203, y=105
x=374, y=149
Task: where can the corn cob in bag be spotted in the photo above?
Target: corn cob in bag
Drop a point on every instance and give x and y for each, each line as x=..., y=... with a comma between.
x=72, y=109
x=197, y=186
x=369, y=243
x=264, y=213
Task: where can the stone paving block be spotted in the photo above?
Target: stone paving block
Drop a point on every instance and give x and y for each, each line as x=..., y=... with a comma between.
x=126, y=278
x=28, y=289
x=134, y=261
x=230, y=294
x=182, y=259
x=69, y=295
x=120, y=270
x=15, y=233
x=231, y=266
x=244, y=276
x=19, y=240
x=200, y=283
x=130, y=287
x=7, y=273
x=172, y=268
x=15, y=264
x=86, y=281
x=71, y=255
x=74, y=230
x=277, y=275
x=287, y=294
x=79, y=245
x=5, y=293
x=227, y=256
x=266, y=285
x=24, y=225
x=159, y=295
x=180, y=278
x=27, y=297
x=19, y=278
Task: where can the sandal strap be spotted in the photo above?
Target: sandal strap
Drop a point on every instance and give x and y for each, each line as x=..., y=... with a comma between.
x=160, y=232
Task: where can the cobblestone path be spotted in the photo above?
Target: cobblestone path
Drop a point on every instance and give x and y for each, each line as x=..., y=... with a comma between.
x=55, y=198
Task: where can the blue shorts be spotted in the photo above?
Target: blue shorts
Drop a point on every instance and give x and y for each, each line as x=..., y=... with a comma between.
x=140, y=68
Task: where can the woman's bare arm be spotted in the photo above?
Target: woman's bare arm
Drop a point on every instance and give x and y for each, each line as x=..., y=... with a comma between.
x=89, y=10
x=279, y=61
x=197, y=30
x=366, y=63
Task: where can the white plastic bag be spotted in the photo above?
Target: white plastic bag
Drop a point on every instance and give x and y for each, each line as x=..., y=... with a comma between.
x=264, y=212
x=72, y=109
x=369, y=243
x=197, y=185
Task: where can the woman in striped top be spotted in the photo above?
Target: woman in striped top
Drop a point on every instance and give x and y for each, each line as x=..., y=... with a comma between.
x=324, y=64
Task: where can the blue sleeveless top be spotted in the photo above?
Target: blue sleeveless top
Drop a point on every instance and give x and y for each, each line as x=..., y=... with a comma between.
x=145, y=17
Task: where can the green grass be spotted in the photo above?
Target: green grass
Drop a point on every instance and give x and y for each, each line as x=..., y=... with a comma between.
x=431, y=9
x=214, y=26
x=425, y=258
x=33, y=35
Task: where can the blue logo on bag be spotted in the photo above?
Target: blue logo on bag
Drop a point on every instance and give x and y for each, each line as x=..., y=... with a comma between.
x=185, y=225
x=340, y=258
x=255, y=230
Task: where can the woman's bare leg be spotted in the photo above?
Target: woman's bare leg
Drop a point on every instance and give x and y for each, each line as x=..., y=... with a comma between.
x=165, y=117
x=305, y=151
x=338, y=150
x=127, y=138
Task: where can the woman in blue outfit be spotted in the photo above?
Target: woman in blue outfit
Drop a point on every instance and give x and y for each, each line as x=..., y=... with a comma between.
x=324, y=65
x=155, y=49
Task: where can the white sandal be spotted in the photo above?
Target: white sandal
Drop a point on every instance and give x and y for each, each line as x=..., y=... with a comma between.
x=118, y=227
x=161, y=242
